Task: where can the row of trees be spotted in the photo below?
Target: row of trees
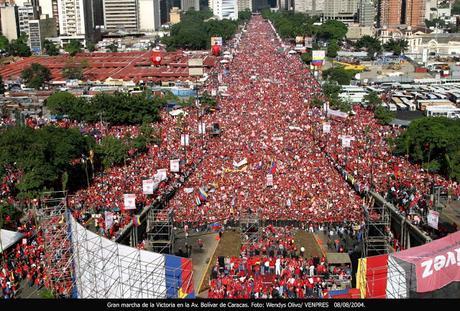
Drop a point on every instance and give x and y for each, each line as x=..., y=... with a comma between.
x=374, y=47
x=117, y=108
x=196, y=28
x=434, y=143
x=17, y=47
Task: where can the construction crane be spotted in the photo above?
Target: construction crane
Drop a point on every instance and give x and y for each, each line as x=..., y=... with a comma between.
x=348, y=66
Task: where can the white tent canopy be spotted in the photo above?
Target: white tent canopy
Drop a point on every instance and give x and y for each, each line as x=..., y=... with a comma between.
x=8, y=238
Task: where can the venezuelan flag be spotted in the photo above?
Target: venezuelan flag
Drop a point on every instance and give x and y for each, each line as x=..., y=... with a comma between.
x=203, y=195
x=179, y=280
x=273, y=167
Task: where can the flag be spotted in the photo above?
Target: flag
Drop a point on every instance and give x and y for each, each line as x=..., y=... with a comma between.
x=273, y=167
x=202, y=194
x=136, y=220
x=179, y=281
x=216, y=226
x=197, y=200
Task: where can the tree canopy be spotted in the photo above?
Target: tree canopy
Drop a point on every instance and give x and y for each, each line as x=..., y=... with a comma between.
x=73, y=47
x=117, y=108
x=398, y=47
x=383, y=114
x=371, y=44
x=3, y=42
x=19, y=47
x=50, y=48
x=42, y=156
x=433, y=142
x=339, y=74
x=36, y=75
x=195, y=30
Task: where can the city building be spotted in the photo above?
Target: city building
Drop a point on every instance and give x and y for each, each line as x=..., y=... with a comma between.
x=149, y=15
x=26, y=12
x=311, y=7
x=174, y=15
x=259, y=5
x=225, y=9
x=389, y=13
x=39, y=29
x=71, y=17
x=9, y=22
x=50, y=8
x=342, y=10
x=121, y=15
x=366, y=13
x=186, y=5
x=356, y=31
x=244, y=5
x=414, y=13
x=165, y=8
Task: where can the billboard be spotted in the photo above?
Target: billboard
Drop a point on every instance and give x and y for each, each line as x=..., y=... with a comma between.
x=433, y=219
x=216, y=40
x=129, y=201
x=174, y=166
x=318, y=57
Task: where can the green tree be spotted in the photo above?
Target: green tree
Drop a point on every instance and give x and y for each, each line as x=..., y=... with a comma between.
x=385, y=116
x=332, y=29
x=91, y=46
x=73, y=47
x=332, y=48
x=245, y=15
x=4, y=43
x=36, y=75
x=398, y=47
x=19, y=47
x=373, y=100
x=436, y=22
x=112, y=151
x=306, y=57
x=371, y=44
x=339, y=74
x=434, y=143
x=331, y=89
x=65, y=103
x=73, y=69
x=50, y=48
x=113, y=47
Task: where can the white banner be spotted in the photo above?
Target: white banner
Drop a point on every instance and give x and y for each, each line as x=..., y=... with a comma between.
x=337, y=113
x=174, y=166
x=326, y=128
x=108, y=220
x=269, y=180
x=202, y=128
x=162, y=174
x=130, y=201
x=185, y=139
x=148, y=186
x=433, y=219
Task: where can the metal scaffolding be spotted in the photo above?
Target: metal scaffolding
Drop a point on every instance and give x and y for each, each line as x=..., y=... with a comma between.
x=376, y=235
x=249, y=227
x=160, y=233
x=52, y=217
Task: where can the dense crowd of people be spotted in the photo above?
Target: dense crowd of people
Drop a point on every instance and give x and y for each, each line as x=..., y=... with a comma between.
x=271, y=157
x=275, y=267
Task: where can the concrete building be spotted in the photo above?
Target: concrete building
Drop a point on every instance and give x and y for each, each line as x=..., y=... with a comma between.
x=366, y=13
x=389, y=13
x=71, y=17
x=39, y=29
x=174, y=15
x=26, y=12
x=121, y=15
x=225, y=9
x=186, y=5
x=356, y=31
x=342, y=10
x=311, y=7
x=149, y=15
x=9, y=22
x=414, y=13
x=244, y=5
x=50, y=8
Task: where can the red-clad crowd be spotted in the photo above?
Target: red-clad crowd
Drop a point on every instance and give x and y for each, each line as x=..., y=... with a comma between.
x=265, y=130
x=275, y=267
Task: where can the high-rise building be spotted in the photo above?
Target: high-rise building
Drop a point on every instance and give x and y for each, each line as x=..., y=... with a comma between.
x=414, y=13
x=311, y=7
x=71, y=17
x=186, y=5
x=121, y=15
x=149, y=15
x=389, y=13
x=39, y=30
x=366, y=13
x=343, y=10
x=165, y=8
x=244, y=5
x=9, y=21
x=286, y=4
x=225, y=9
x=26, y=12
